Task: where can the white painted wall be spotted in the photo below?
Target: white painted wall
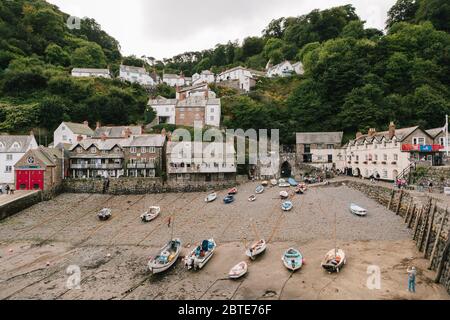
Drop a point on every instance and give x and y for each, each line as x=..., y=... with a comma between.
x=143, y=79
x=212, y=115
x=5, y=161
x=243, y=75
x=90, y=74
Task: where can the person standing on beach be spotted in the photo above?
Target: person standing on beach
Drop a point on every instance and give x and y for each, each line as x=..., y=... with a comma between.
x=411, y=279
x=7, y=189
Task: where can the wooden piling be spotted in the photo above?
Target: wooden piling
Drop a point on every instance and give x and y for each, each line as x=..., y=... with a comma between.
x=423, y=227
x=390, y=201
x=399, y=204
x=416, y=223
x=409, y=208
x=436, y=241
x=430, y=227
x=443, y=259
x=412, y=215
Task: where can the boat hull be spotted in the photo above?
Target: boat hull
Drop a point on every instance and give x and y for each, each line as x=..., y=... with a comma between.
x=238, y=270
x=334, y=267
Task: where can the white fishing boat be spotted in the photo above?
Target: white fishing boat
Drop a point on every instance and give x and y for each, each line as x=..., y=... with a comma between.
x=238, y=270
x=150, y=214
x=273, y=182
x=166, y=257
x=283, y=183
x=357, y=210
x=256, y=249
x=200, y=255
x=104, y=214
x=211, y=197
x=334, y=260
x=252, y=198
x=284, y=195
x=292, y=259
x=259, y=189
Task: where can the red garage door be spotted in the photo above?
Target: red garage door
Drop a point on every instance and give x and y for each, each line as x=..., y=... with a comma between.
x=29, y=179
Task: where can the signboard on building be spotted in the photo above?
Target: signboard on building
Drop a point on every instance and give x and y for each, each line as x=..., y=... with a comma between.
x=422, y=148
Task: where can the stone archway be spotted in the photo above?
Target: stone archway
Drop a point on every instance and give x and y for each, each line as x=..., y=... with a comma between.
x=356, y=172
x=286, y=170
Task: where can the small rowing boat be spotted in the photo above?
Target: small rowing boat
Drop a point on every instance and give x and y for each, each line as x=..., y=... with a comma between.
x=238, y=270
x=259, y=189
x=287, y=206
x=357, y=210
x=228, y=199
x=104, y=214
x=334, y=260
x=283, y=183
x=211, y=197
x=166, y=257
x=292, y=182
x=292, y=259
x=232, y=191
x=273, y=182
x=256, y=249
x=265, y=183
x=252, y=198
x=284, y=195
x=150, y=214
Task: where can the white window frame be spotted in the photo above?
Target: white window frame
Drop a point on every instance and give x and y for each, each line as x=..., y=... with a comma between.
x=416, y=141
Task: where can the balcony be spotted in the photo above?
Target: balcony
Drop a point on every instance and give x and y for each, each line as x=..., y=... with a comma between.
x=149, y=165
x=102, y=166
x=229, y=168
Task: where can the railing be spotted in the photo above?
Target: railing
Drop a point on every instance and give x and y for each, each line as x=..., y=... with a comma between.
x=141, y=165
x=96, y=166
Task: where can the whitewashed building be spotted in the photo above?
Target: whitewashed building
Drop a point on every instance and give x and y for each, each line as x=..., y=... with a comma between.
x=284, y=69
x=136, y=75
x=12, y=148
x=205, y=76
x=68, y=132
x=87, y=72
x=175, y=80
x=245, y=78
x=385, y=155
x=164, y=108
x=201, y=161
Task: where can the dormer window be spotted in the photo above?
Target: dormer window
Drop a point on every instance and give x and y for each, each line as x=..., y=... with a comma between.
x=79, y=149
x=16, y=145
x=93, y=150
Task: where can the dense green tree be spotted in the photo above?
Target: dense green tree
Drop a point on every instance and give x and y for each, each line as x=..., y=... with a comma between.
x=402, y=11
x=89, y=56
x=252, y=46
x=54, y=54
x=436, y=11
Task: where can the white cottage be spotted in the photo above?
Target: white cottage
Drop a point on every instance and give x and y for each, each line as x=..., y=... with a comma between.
x=136, y=75
x=245, y=78
x=284, y=69
x=68, y=132
x=12, y=148
x=87, y=72
x=205, y=76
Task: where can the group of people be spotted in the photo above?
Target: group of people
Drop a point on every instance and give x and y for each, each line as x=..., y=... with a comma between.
x=6, y=189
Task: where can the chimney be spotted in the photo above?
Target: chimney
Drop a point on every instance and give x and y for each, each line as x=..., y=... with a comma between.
x=127, y=132
x=31, y=133
x=86, y=123
x=98, y=125
x=391, y=130
x=163, y=132
x=359, y=134
x=79, y=137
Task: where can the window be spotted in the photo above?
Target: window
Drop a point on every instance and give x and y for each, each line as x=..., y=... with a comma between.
x=442, y=141
x=330, y=146
x=419, y=140
x=385, y=157
x=395, y=157
x=143, y=150
x=133, y=150
x=63, y=128
x=385, y=174
x=211, y=110
x=151, y=149
x=9, y=157
x=64, y=137
x=376, y=157
x=182, y=116
x=8, y=169
x=307, y=148
x=79, y=150
x=211, y=118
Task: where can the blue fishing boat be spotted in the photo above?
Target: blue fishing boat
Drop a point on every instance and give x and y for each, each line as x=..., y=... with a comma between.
x=293, y=182
x=259, y=189
x=228, y=199
x=292, y=259
x=287, y=206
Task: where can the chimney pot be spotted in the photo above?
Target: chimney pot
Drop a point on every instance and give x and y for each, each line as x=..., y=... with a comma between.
x=79, y=138
x=391, y=130
x=98, y=125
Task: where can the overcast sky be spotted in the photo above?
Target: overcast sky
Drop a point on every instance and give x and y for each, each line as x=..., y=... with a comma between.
x=164, y=28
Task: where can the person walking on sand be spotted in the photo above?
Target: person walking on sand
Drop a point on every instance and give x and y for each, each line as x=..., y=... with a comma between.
x=430, y=186
x=7, y=188
x=411, y=279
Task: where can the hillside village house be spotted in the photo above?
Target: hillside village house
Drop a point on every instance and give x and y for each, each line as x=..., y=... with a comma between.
x=175, y=80
x=12, y=148
x=116, y=132
x=217, y=162
x=86, y=72
x=205, y=76
x=144, y=155
x=386, y=154
x=136, y=75
x=68, y=132
x=284, y=69
x=193, y=104
x=41, y=169
x=318, y=149
x=239, y=78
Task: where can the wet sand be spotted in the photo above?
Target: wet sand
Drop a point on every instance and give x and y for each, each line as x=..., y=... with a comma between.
x=38, y=244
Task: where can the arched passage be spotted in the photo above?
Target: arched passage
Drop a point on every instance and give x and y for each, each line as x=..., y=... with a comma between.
x=286, y=169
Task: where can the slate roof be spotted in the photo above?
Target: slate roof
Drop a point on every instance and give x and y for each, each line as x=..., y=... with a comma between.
x=91, y=70
x=116, y=132
x=79, y=128
x=7, y=142
x=147, y=140
x=435, y=132
x=319, y=137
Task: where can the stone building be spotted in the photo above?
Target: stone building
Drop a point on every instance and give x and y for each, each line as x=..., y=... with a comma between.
x=41, y=169
x=318, y=149
x=144, y=155
x=89, y=72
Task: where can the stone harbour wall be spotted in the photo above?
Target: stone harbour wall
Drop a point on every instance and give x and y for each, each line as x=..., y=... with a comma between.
x=428, y=217
x=19, y=204
x=122, y=186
